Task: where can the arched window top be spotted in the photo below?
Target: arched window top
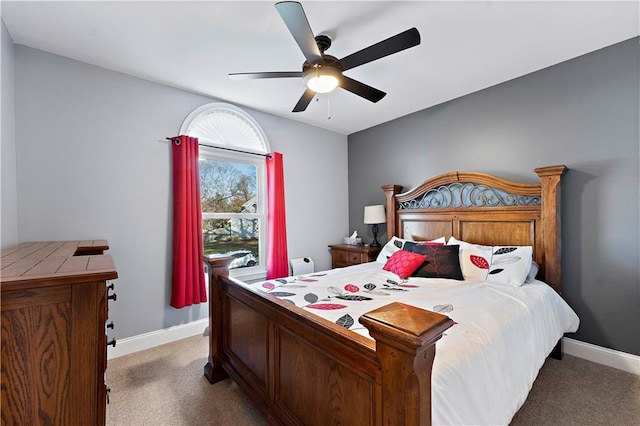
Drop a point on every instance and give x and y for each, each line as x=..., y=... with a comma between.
x=227, y=126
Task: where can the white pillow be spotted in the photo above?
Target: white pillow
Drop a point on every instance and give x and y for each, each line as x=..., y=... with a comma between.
x=533, y=272
x=441, y=240
x=392, y=246
x=395, y=244
x=510, y=265
x=475, y=259
x=498, y=264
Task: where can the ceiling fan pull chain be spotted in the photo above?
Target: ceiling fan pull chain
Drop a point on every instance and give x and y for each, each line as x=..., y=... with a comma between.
x=328, y=106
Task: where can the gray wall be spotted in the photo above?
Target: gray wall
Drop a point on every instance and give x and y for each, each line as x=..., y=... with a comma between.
x=582, y=113
x=89, y=164
x=9, y=200
x=92, y=163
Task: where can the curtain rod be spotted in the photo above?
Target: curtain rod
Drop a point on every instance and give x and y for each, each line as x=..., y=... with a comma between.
x=226, y=149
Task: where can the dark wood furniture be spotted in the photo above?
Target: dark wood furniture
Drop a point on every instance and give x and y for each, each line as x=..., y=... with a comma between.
x=301, y=369
x=54, y=308
x=346, y=254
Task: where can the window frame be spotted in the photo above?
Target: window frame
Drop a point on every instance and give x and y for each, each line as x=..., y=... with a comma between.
x=260, y=270
x=211, y=150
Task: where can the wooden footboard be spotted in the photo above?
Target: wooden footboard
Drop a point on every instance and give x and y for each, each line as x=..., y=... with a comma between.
x=300, y=369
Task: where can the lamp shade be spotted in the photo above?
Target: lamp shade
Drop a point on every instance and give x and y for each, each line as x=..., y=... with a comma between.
x=374, y=214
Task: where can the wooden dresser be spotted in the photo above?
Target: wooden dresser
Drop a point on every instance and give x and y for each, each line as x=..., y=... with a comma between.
x=54, y=309
x=346, y=255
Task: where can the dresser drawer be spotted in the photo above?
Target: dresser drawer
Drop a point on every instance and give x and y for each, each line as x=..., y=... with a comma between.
x=346, y=255
x=347, y=258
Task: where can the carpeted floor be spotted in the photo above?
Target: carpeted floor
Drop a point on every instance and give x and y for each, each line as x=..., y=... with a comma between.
x=165, y=386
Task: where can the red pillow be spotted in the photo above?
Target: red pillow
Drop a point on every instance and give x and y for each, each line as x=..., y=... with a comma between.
x=404, y=263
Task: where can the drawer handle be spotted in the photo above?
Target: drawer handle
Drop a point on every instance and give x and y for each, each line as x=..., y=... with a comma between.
x=110, y=325
x=112, y=343
x=112, y=297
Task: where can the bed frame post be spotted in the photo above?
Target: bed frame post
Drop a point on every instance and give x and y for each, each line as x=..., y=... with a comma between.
x=552, y=235
x=390, y=192
x=405, y=346
x=218, y=267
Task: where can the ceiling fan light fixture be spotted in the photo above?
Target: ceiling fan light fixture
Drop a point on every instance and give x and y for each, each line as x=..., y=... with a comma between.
x=322, y=73
x=322, y=80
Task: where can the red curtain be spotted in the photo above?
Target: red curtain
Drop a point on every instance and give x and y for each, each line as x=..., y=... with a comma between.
x=278, y=258
x=187, y=280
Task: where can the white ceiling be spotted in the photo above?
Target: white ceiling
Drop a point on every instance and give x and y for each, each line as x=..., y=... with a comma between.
x=466, y=46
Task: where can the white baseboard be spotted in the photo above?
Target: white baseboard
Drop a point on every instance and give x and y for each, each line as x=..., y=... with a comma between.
x=588, y=351
x=600, y=355
x=149, y=340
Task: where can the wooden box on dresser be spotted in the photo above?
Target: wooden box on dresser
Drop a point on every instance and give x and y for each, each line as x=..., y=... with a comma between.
x=346, y=254
x=54, y=345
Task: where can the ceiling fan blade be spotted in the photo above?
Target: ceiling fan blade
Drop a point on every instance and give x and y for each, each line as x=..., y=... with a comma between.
x=295, y=19
x=395, y=44
x=256, y=75
x=304, y=101
x=354, y=86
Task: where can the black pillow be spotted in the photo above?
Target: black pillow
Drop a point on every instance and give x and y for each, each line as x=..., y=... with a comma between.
x=442, y=262
x=415, y=247
x=409, y=246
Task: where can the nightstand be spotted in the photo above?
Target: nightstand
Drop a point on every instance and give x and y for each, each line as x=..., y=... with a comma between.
x=347, y=255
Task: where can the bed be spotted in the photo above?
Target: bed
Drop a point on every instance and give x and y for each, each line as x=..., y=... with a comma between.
x=377, y=364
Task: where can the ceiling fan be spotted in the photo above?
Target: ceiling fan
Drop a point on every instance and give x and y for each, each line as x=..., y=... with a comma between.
x=321, y=72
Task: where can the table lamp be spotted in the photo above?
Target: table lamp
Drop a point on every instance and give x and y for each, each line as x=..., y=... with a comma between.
x=373, y=215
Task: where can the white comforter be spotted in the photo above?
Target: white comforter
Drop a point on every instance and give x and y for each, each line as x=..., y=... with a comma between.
x=485, y=364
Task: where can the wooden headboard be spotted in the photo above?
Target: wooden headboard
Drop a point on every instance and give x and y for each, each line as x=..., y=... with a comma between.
x=485, y=209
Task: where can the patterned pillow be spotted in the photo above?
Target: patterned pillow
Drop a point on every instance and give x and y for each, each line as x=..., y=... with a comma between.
x=474, y=259
x=441, y=241
x=510, y=265
x=442, y=262
x=392, y=246
x=395, y=244
x=403, y=263
x=497, y=264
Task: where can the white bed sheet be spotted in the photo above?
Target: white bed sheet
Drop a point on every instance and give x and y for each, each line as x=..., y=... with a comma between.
x=485, y=364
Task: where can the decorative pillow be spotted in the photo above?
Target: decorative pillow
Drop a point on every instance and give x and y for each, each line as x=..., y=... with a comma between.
x=474, y=259
x=510, y=265
x=392, y=246
x=403, y=263
x=395, y=244
x=533, y=272
x=441, y=240
x=442, y=262
x=411, y=246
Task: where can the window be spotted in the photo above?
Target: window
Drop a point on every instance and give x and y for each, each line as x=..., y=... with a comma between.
x=232, y=186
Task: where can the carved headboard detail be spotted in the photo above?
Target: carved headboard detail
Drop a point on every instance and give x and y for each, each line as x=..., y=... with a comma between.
x=485, y=209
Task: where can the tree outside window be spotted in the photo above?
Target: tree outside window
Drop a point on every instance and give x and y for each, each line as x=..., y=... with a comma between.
x=231, y=219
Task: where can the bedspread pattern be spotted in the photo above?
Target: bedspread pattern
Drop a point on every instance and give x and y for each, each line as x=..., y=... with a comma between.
x=485, y=364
